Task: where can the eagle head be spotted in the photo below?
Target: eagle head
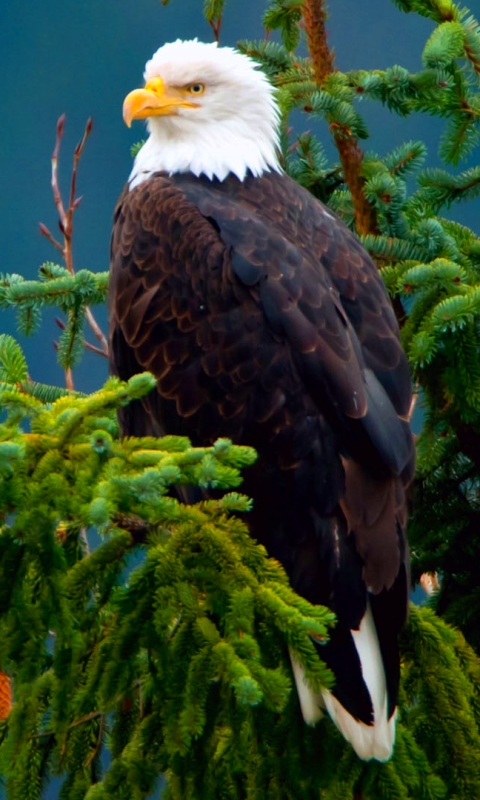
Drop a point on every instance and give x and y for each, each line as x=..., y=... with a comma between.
x=210, y=110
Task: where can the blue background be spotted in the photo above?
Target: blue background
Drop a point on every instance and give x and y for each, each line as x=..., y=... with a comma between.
x=82, y=58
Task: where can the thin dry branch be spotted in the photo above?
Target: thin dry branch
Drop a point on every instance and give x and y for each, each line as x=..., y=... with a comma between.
x=97, y=350
x=97, y=331
x=65, y=223
x=216, y=26
x=88, y=346
x=65, y=215
x=69, y=384
x=45, y=232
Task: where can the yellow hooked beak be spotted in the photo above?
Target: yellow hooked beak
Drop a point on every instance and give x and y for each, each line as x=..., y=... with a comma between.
x=154, y=100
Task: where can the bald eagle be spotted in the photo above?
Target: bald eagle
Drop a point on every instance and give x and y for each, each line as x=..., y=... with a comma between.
x=265, y=321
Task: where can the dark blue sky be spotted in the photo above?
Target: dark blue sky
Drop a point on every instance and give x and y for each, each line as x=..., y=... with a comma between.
x=82, y=58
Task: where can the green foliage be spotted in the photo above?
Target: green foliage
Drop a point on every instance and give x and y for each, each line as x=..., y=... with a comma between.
x=56, y=287
x=284, y=15
x=444, y=45
x=135, y=148
x=178, y=661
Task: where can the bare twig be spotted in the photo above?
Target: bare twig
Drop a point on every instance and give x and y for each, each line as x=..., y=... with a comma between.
x=216, y=25
x=66, y=215
x=57, y=197
x=75, y=201
x=99, y=351
x=45, y=232
x=413, y=402
x=69, y=384
x=97, y=331
x=65, y=223
x=96, y=350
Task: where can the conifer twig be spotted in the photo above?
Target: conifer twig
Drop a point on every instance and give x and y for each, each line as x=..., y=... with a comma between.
x=87, y=718
x=98, y=743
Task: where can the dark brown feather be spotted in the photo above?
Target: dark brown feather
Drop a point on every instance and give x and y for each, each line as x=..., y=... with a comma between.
x=265, y=321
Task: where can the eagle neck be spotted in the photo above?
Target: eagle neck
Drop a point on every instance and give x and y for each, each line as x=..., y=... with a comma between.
x=215, y=151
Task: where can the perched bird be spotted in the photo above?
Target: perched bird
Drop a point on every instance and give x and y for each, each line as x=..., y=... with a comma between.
x=265, y=321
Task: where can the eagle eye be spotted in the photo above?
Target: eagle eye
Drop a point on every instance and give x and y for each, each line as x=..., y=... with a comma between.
x=196, y=88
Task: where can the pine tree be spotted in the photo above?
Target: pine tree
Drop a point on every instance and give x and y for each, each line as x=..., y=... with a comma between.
x=159, y=632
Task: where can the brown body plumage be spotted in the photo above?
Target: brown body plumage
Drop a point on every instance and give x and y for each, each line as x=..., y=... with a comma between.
x=265, y=321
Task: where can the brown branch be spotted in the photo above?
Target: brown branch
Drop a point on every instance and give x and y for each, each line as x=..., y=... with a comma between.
x=97, y=331
x=216, y=25
x=69, y=384
x=65, y=223
x=75, y=201
x=413, y=402
x=100, y=351
x=314, y=16
x=57, y=197
x=96, y=350
x=45, y=232
x=66, y=216
x=351, y=156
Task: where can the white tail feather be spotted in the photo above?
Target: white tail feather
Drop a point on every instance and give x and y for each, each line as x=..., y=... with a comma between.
x=368, y=741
